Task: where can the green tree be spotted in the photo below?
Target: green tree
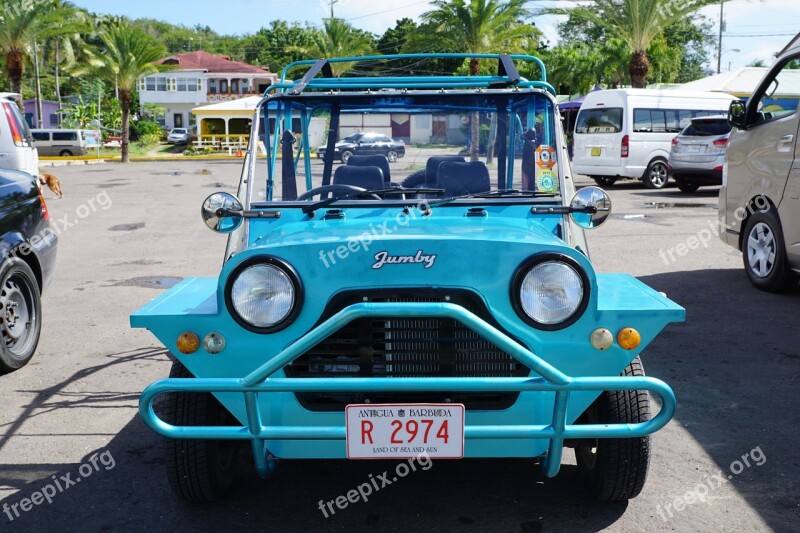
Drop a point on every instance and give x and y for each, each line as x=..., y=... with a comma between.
x=637, y=22
x=125, y=54
x=61, y=31
x=337, y=38
x=476, y=26
x=277, y=45
x=18, y=24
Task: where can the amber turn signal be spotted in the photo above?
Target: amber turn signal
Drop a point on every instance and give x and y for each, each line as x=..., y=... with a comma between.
x=628, y=338
x=188, y=342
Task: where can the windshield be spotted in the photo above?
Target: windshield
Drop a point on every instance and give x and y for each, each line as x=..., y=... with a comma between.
x=447, y=145
x=707, y=127
x=179, y=131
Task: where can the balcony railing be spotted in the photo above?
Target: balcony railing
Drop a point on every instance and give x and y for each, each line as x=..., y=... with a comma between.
x=223, y=141
x=227, y=97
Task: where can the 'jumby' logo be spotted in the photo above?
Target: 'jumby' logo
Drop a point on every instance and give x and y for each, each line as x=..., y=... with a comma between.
x=383, y=258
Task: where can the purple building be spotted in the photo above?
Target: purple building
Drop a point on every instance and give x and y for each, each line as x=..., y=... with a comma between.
x=50, y=116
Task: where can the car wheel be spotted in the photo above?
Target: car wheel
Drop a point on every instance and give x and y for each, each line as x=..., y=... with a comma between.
x=655, y=177
x=346, y=156
x=20, y=314
x=65, y=153
x=685, y=186
x=764, y=254
x=199, y=471
x=604, y=181
x=391, y=155
x=616, y=469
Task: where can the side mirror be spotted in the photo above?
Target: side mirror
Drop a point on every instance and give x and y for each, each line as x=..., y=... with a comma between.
x=592, y=205
x=222, y=212
x=737, y=114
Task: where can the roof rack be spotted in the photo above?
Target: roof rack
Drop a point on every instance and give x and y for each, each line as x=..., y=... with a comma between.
x=507, y=75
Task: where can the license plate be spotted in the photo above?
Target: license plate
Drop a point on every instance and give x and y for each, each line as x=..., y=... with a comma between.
x=402, y=431
x=595, y=151
x=693, y=148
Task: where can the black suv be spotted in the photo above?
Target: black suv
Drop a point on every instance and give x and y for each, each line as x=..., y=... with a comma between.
x=28, y=245
x=366, y=144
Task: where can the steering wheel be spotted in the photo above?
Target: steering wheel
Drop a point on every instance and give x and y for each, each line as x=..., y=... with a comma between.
x=337, y=190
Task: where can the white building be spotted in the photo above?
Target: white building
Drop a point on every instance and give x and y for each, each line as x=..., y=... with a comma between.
x=200, y=78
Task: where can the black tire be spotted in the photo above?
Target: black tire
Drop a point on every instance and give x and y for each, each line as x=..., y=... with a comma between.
x=616, y=469
x=65, y=153
x=391, y=155
x=199, y=471
x=686, y=186
x=346, y=156
x=655, y=177
x=20, y=314
x=764, y=253
x=604, y=181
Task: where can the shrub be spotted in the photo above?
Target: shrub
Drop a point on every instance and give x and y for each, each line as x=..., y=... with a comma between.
x=141, y=128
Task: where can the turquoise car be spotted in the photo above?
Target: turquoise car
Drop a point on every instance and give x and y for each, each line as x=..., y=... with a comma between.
x=443, y=306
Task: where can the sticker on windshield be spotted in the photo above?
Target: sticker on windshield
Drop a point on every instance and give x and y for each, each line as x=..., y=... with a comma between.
x=545, y=157
x=546, y=181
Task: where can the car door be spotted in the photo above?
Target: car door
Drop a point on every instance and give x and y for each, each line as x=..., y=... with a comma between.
x=761, y=157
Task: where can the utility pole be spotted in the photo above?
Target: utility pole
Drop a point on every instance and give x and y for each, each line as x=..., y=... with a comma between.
x=332, y=2
x=38, y=86
x=719, y=42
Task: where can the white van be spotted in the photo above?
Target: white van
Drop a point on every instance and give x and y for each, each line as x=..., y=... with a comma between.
x=627, y=133
x=17, y=151
x=59, y=142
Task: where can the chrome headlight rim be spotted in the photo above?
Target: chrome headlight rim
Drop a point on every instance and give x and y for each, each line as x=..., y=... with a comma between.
x=287, y=269
x=530, y=263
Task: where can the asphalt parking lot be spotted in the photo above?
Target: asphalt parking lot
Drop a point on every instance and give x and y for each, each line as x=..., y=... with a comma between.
x=726, y=462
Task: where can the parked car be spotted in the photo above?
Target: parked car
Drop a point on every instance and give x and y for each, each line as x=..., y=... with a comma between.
x=28, y=247
x=697, y=156
x=759, y=202
x=365, y=144
x=61, y=142
x=17, y=151
x=456, y=314
x=179, y=136
x=626, y=133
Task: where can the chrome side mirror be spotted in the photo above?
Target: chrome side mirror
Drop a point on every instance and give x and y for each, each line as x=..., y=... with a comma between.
x=591, y=207
x=222, y=212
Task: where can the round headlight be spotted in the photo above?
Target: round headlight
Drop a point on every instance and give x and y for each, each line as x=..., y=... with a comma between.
x=262, y=295
x=551, y=292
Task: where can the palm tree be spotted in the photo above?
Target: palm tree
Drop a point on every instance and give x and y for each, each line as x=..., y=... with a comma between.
x=18, y=25
x=476, y=26
x=123, y=56
x=62, y=32
x=638, y=23
x=337, y=39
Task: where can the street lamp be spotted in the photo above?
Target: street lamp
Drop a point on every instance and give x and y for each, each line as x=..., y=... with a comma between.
x=736, y=50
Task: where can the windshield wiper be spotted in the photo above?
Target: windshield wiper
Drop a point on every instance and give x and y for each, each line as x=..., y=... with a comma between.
x=385, y=191
x=499, y=193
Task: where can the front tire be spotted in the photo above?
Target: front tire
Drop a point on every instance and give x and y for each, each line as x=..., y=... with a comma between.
x=20, y=314
x=65, y=153
x=604, y=181
x=655, y=177
x=616, y=469
x=764, y=253
x=391, y=156
x=199, y=471
x=346, y=156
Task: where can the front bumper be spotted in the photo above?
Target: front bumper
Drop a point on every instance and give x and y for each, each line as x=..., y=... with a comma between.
x=553, y=389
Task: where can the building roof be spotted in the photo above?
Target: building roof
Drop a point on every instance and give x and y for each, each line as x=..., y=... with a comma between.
x=212, y=63
x=743, y=81
x=242, y=106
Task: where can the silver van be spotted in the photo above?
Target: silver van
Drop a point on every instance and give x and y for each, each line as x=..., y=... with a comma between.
x=17, y=151
x=59, y=142
x=759, y=203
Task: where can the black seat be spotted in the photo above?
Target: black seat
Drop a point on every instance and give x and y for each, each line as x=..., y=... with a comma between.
x=459, y=179
x=376, y=160
x=368, y=178
x=432, y=167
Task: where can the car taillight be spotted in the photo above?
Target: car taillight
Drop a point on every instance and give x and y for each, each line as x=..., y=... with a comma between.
x=12, y=123
x=45, y=213
x=674, y=141
x=721, y=143
x=623, y=149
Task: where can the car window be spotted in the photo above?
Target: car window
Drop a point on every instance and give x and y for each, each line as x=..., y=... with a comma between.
x=65, y=135
x=353, y=138
x=179, y=131
x=40, y=136
x=707, y=126
x=599, y=120
x=781, y=96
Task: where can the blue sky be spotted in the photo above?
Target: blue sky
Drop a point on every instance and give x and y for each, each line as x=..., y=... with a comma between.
x=756, y=28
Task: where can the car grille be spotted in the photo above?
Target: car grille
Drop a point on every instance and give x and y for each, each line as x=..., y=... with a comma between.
x=406, y=347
